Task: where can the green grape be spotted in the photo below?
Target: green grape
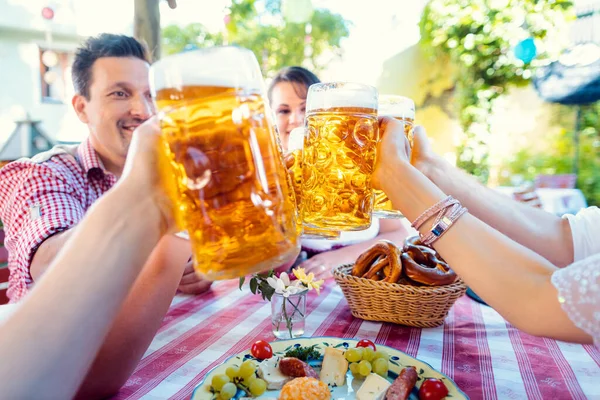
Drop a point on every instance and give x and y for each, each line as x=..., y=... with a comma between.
x=381, y=354
x=232, y=372
x=228, y=391
x=360, y=351
x=353, y=355
x=354, y=368
x=257, y=387
x=247, y=381
x=364, y=367
x=247, y=368
x=368, y=354
x=218, y=381
x=380, y=366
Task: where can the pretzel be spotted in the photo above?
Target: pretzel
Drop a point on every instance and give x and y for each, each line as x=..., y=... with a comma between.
x=380, y=262
x=424, y=265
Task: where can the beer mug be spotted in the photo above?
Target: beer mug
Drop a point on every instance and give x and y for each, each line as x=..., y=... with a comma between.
x=339, y=154
x=295, y=145
x=221, y=162
x=402, y=109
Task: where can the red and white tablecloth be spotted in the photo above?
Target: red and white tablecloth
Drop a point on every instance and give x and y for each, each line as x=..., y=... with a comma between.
x=478, y=349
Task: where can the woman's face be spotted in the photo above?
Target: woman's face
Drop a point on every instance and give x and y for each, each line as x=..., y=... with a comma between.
x=289, y=102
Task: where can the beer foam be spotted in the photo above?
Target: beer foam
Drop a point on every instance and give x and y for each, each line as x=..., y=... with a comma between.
x=218, y=66
x=395, y=113
x=296, y=139
x=341, y=94
x=396, y=106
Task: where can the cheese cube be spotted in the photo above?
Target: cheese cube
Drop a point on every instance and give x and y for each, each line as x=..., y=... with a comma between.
x=373, y=388
x=269, y=371
x=335, y=366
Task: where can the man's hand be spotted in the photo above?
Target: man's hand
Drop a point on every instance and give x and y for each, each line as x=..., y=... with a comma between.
x=191, y=283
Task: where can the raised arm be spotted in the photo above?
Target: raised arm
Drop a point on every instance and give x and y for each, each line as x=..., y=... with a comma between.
x=55, y=334
x=542, y=232
x=510, y=277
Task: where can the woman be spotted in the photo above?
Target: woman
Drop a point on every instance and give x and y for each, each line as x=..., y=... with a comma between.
x=287, y=95
x=507, y=264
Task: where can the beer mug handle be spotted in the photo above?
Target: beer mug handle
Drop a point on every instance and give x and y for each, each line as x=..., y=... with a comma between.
x=196, y=165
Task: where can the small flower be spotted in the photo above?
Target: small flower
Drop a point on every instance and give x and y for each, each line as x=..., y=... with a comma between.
x=283, y=286
x=308, y=280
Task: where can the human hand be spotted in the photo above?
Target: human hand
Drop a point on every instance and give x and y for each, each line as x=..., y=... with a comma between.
x=191, y=283
x=141, y=172
x=321, y=265
x=395, y=148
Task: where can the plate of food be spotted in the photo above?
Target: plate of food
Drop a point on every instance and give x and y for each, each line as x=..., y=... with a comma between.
x=322, y=368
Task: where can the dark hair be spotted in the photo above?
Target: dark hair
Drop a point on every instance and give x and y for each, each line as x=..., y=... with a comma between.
x=297, y=75
x=104, y=45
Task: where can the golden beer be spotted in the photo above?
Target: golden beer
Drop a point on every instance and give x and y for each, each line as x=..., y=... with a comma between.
x=223, y=169
x=295, y=144
x=402, y=109
x=339, y=154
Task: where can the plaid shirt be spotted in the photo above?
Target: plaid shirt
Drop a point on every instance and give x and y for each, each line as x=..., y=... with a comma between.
x=45, y=195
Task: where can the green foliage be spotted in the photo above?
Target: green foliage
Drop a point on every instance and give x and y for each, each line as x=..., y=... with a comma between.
x=559, y=157
x=479, y=37
x=258, y=284
x=275, y=43
x=304, y=353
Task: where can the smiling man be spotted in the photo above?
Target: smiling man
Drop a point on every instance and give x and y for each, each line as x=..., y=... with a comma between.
x=42, y=200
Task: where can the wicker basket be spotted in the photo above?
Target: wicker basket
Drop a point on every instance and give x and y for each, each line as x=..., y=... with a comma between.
x=420, y=306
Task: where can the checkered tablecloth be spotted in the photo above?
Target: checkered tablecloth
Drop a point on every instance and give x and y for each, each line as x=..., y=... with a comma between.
x=478, y=349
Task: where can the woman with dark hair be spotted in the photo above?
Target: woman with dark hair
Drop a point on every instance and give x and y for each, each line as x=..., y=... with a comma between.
x=287, y=95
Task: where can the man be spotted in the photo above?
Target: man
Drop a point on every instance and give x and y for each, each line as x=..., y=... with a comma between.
x=43, y=199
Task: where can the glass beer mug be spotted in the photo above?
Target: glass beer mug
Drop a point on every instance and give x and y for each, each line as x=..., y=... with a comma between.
x=221, y=162
x=295, y=145
x=402, y=109
x=339, y=154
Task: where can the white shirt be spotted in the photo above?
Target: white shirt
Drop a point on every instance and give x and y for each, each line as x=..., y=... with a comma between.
x=578, y=284
x=345, y=239
x=585, y=229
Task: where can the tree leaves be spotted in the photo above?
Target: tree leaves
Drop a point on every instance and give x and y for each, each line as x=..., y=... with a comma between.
x=479, y=38
x=275, y=44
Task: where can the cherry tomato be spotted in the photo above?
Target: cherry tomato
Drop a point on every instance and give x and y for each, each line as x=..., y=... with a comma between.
x=366, y=343
x=261, y=350
x=433, y=389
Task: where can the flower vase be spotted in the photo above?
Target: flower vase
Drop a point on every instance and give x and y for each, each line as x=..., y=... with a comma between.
x=288, y=314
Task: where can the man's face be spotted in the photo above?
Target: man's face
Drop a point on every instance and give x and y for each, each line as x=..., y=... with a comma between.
x=119, y=101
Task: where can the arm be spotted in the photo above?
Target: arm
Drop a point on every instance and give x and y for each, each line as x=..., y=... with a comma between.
x=138, y=319
x=503, y=272
x=140, y=316
x=58, y=359
x=542, y=232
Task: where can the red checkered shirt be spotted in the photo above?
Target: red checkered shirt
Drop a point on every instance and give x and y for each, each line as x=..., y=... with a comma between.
x=42, y=196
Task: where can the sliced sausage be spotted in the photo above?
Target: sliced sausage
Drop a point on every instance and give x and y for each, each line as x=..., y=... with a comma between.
x=291, y=366
x=403, y=385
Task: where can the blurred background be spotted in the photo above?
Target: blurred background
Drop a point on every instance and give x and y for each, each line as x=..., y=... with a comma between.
x=507, y=89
